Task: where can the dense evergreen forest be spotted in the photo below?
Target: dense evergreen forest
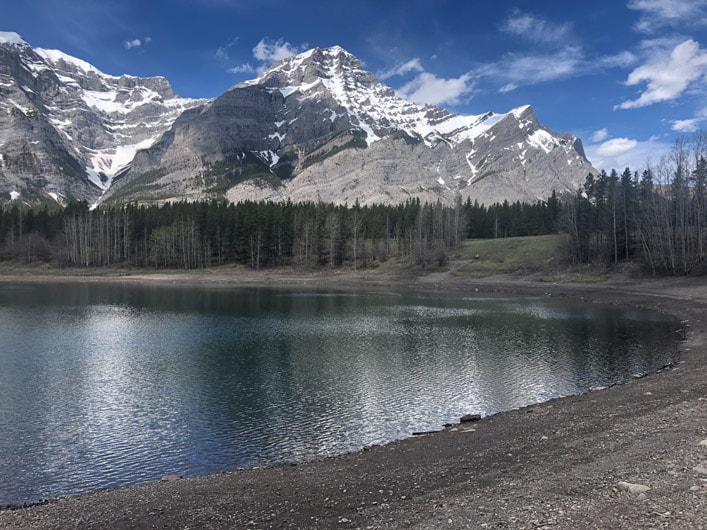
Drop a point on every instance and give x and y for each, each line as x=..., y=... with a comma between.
x=657, y=217
x=306, y=235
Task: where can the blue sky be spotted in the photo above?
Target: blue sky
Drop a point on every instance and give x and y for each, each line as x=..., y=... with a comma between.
x=626, y=76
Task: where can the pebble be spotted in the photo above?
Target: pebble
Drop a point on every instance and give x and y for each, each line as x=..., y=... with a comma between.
x=632, y=488
x=700, y=469
x=703, y=443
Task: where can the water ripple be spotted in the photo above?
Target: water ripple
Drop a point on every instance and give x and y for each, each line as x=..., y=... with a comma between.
x=104, y=386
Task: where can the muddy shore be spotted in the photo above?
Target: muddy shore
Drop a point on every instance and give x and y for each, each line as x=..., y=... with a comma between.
x=573, y=463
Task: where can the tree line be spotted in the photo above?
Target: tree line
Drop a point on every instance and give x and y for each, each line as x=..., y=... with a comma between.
x=657, y=217
x=259, y=234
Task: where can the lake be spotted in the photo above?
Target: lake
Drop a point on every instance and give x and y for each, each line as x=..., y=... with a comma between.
x=106, y=385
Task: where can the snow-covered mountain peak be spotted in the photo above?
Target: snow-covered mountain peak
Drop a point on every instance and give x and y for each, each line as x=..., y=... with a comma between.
x=12, y=38
x=336, y=75
x=97, y=120
x=310, y=66
x=65, y=61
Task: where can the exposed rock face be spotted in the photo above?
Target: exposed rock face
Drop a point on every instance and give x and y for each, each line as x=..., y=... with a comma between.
x=318, y=127
x=66, y=129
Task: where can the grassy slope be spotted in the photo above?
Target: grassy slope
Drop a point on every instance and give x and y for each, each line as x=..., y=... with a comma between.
x=485, y=257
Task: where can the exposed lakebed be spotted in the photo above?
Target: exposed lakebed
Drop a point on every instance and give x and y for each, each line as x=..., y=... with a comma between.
x=103, y=385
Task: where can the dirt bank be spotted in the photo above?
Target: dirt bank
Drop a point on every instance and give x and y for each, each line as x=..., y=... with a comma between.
x=568, y=463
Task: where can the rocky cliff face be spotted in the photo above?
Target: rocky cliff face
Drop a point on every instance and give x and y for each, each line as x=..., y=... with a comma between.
x=317, y=126
x=66, y=129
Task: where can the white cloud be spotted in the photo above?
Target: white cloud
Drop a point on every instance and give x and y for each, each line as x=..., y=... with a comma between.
x=689, y=125
x=620, y=153
x=657, y=14
x=508, y=87
x=668, y=77
x=413, y=65
x=615, y=146
x=243, y=68
x=137, y=43
x=536, y=29
x=600, y=135
x=430, y=89
x=269, y=51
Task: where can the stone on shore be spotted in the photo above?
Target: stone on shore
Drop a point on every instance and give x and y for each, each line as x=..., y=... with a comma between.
x=632, y=488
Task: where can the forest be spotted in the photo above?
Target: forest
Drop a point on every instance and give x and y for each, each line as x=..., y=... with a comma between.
x=656, y=217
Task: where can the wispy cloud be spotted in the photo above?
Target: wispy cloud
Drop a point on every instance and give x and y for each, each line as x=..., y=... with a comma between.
x=413, y=65
x=667, y=77
x=528, y=69
x=600, y=135
x=536, y=29
x=222, y=51
x=271, y=51
x=622, y=59
x=241, y=69
x=427, y=88
x=690, y=124
x=136, y=43
x=658, y=14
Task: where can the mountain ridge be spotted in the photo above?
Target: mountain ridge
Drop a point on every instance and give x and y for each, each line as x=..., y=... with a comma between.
x=74, y=126
x=314, y=126
x=318, y=127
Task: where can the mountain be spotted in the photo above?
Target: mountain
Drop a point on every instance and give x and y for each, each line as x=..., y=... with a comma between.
x=67, y=129
x=318, y=127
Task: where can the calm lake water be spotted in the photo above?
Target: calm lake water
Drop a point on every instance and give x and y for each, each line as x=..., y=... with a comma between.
x=105, y=385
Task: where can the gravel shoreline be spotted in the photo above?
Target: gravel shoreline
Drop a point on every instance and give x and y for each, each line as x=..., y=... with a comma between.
x=576, y=462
